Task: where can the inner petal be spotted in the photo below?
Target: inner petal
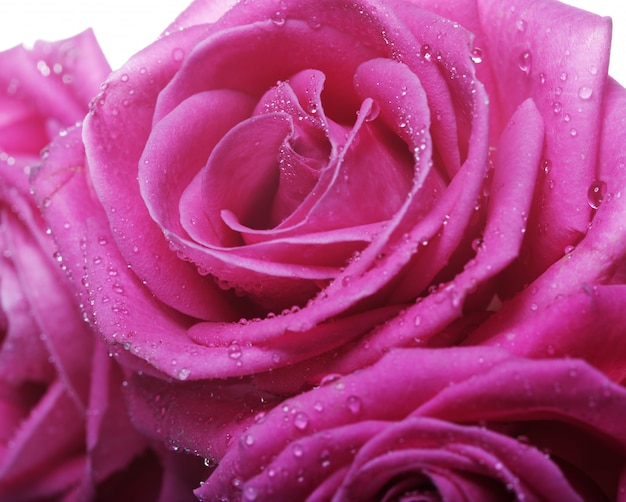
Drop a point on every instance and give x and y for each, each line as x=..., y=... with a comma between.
x=308, y=150
x=241, y=175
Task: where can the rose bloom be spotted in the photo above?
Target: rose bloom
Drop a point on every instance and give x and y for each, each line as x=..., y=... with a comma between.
x=64, y=430
x=481, y=426
x=278, y=193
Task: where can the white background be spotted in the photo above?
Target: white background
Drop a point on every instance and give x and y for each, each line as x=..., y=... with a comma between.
x=125, y=26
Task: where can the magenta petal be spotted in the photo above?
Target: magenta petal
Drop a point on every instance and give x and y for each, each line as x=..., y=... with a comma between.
x=112, y=442
x=50, y=79
x=266, y=53
x=241, y=176
x=443, y=414
x=200, y=13
x=568, y=87
x=113, y=168
x=516, y=168
x=23, y=355
x=55, y=422
x=161, y=409
x=178, y=148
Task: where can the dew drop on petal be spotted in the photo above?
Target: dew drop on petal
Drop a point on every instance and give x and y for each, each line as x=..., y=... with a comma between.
x=314, y=23
x=234, y=351
x=178, y=54
x=250, y=493
x=354, y=404
x=278, y=18
x=331, y=377
x=298, y=450
x=585, y=93
x=596, y=193
x=477, y=55
x=301, y=421
x=525, y=62
x=373, y=112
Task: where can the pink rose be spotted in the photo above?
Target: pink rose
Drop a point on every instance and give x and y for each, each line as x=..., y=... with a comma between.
x=444, y=424
x=64, y=430
x=273, y=194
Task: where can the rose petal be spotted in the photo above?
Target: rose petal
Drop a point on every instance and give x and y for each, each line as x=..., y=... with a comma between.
x=464, y=387
x=568, y=87
x=112, y=167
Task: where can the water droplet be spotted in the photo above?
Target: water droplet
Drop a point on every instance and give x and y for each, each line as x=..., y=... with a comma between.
x=43, y=68
x=542, y=78
x=314, y=23
x=183, y=374
x=178, y=54
x=477, y=55
x=298, y=450
x=234, y=351
x=557, y=107
x=331, y=377
x=278, y=18
x=563, y=76
x=521, y=24
x=373, y=113
x=477, y=243
x=585, y=93
x=250, y=493
x=325, y=458
x=248, y=440
x=573, y=132
x=525, y=62
x=426, y=52
x=301, y=421
x=354, y=404
x=124, y=77
x=596, y=193
x=593, y=70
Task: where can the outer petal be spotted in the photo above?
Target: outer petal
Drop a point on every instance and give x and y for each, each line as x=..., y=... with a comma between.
x=113, y=160
x=477, y=411
x=531, y=43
